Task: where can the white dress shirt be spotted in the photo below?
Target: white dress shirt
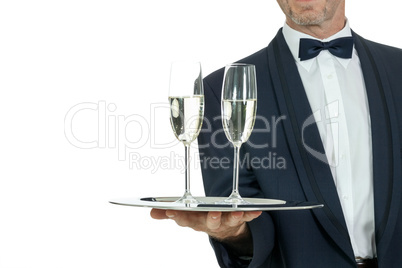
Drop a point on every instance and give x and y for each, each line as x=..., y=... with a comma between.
x=337, y=94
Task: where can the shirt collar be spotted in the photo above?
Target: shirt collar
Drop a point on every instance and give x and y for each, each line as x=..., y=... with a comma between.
x=292, y=38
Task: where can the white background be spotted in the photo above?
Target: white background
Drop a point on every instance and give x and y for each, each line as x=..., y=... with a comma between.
x=113, y=57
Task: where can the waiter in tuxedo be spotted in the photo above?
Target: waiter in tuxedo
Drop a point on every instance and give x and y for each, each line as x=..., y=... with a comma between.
x=329, y=112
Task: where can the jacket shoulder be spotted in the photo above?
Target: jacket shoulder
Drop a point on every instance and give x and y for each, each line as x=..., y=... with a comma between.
x=389, y=54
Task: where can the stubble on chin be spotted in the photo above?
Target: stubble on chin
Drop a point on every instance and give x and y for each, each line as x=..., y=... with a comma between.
x=308, y=16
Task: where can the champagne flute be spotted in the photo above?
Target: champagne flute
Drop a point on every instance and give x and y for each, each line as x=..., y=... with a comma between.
x=239, y=105
x=186, y=99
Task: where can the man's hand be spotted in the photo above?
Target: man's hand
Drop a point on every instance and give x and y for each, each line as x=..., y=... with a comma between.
x=228, y=227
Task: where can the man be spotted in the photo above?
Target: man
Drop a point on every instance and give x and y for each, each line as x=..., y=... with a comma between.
x=336, y=126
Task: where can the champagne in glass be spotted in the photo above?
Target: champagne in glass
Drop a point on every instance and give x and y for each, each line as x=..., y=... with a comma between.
x=186, y=100
x=239, y=106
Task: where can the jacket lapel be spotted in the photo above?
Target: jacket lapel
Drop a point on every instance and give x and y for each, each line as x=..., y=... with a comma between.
x=303, y=137
x=385, y=142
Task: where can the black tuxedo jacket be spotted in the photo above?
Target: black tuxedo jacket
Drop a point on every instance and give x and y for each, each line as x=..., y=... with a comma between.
x=282, y=142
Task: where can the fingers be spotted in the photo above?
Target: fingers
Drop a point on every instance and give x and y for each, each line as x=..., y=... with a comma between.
x=171, y=214
x=234, y=219
x=251, y=215
x=238, y=217
x=219, y=220
x=213, y=217
x=216, y=224
x=199, y=221
x=229, y=224
x=213, y=220
x=183, y=219
x=158, y=214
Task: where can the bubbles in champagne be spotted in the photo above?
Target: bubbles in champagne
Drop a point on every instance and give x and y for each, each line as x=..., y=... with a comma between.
x=238, y=119
x=186, y=115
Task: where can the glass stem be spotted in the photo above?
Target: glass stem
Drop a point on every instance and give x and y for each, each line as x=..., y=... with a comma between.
x=236, y=170
x=187, y=168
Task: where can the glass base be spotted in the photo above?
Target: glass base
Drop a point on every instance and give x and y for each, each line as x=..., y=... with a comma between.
x=187, y=198
x=234, y=198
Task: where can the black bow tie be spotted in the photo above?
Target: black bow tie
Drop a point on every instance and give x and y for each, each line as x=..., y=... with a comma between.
x=341, y=47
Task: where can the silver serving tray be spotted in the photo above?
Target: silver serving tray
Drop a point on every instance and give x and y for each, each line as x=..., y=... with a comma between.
x=212, y=204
